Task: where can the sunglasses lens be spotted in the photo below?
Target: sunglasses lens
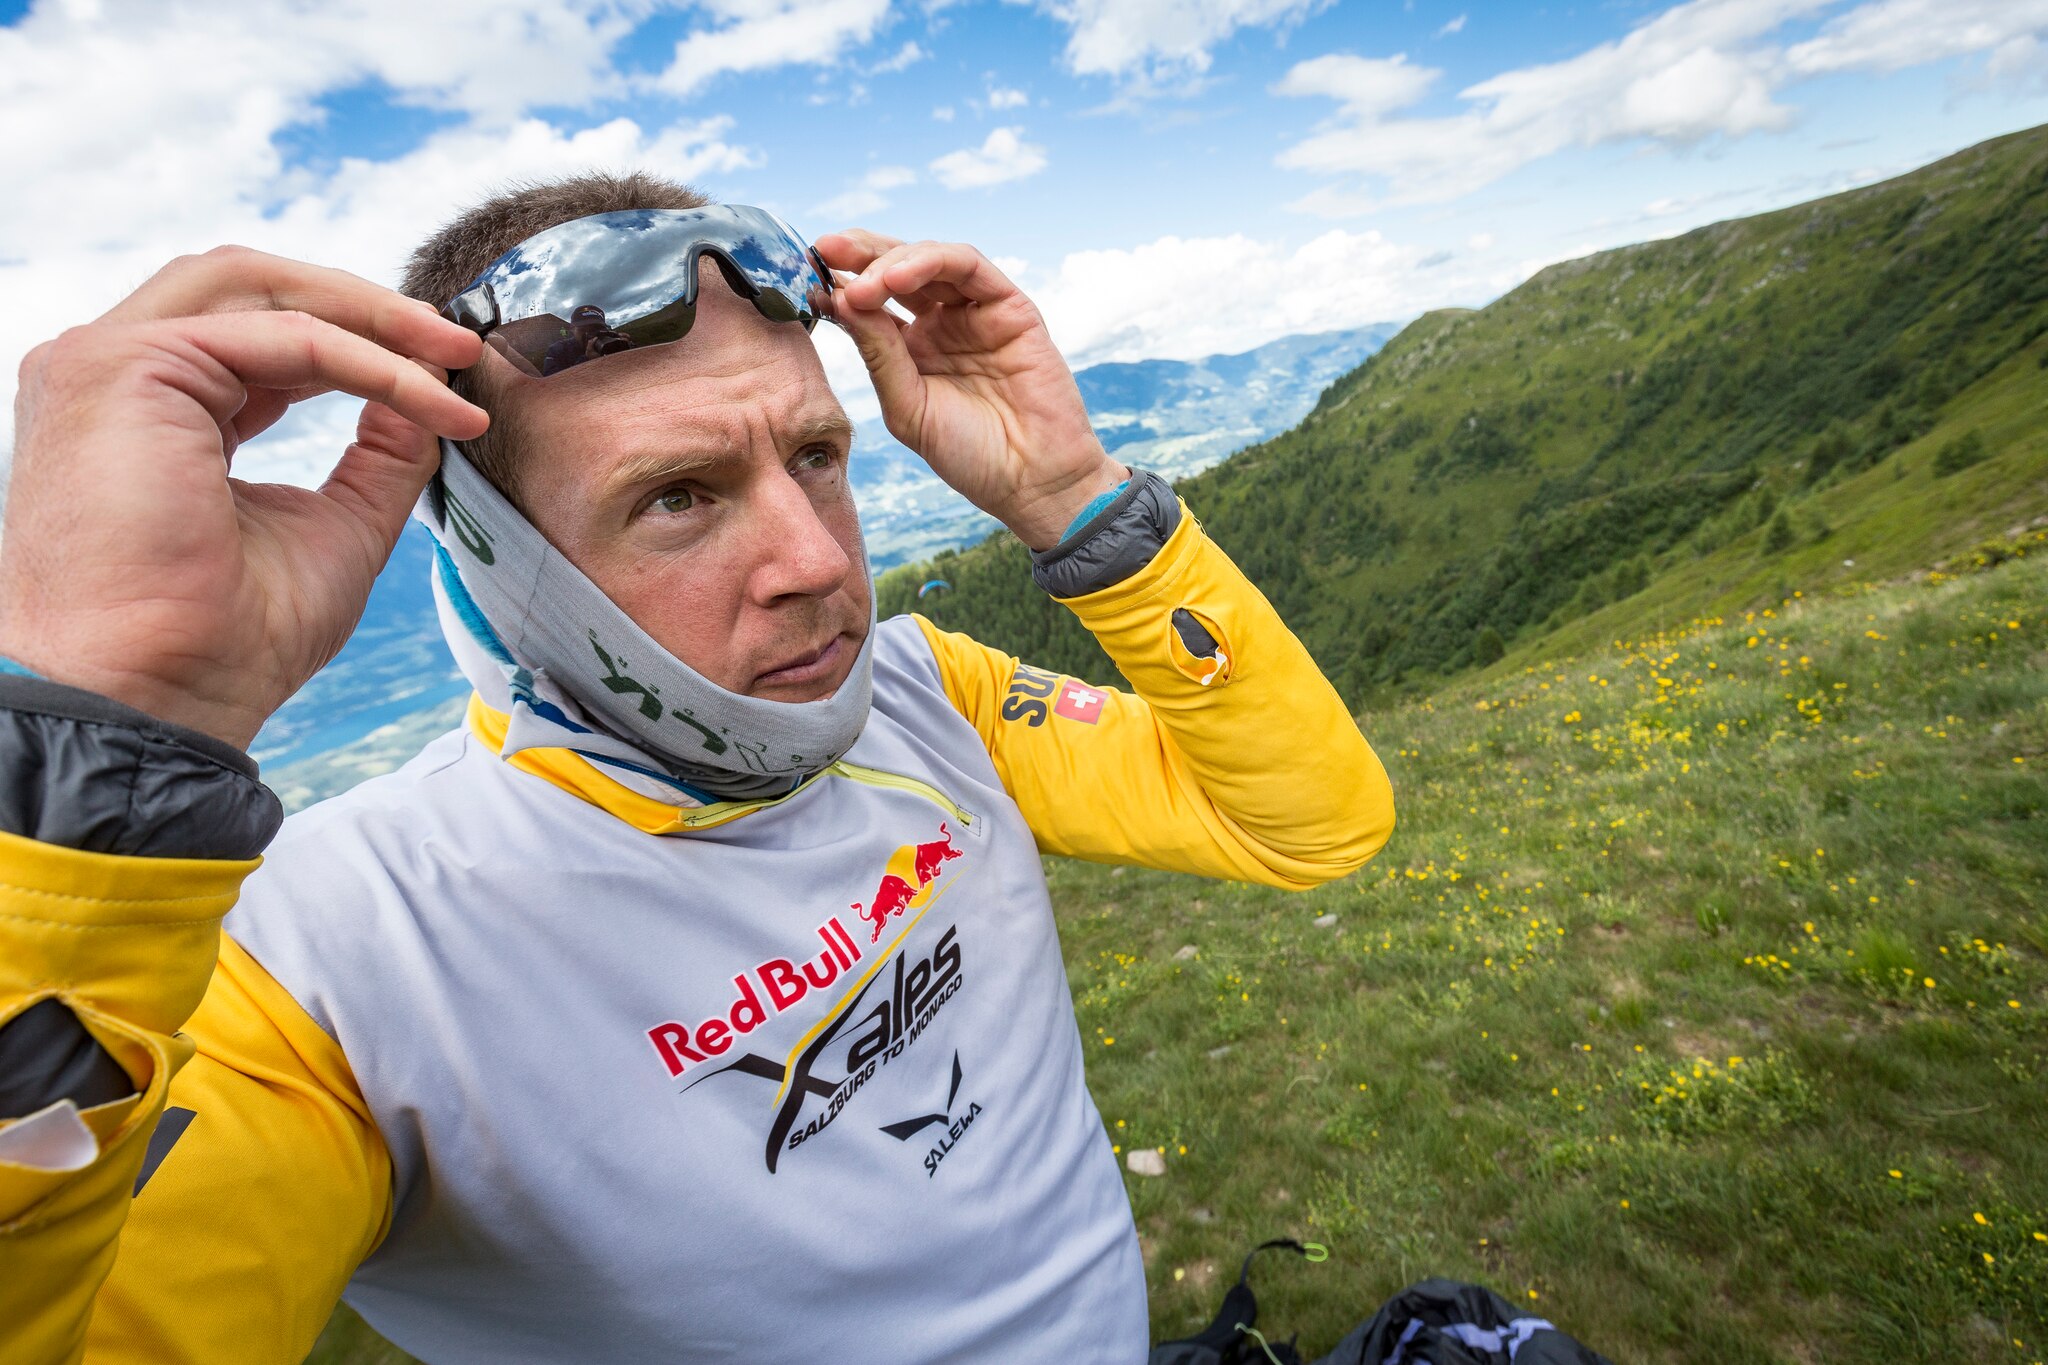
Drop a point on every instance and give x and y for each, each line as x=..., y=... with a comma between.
x=614, y=282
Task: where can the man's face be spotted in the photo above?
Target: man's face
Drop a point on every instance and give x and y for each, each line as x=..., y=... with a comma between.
x=703, y=486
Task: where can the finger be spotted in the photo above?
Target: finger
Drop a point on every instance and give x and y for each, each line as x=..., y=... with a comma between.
x=871, y=289
x=898, y=384
x=262, y=409
x=933, y=264
x=852, y=248
x=241, y=280
x=379, y=478
x=294, y=351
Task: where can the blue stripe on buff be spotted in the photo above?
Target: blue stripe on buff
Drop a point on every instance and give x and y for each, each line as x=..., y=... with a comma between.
x=543, y=644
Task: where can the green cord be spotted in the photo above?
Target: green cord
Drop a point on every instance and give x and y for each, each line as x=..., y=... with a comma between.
x=1313, y=1251
x=1247, y=1327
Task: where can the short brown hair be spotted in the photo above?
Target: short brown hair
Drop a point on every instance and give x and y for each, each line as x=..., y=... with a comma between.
x=458, y=253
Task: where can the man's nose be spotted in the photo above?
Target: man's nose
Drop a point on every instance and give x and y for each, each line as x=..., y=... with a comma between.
x=798, y=554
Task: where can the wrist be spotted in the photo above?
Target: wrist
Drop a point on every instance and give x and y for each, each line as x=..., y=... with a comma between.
x=1046, y=520
x=150, y=696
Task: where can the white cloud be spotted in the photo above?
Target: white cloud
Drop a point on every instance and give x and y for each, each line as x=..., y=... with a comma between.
x=1701, y=70
x=869, y=195
x=1002, y=98
x=365, y=217
x=1003, y=156
x=904, y=56
x=943, y=113
x=1890, y=35
x=754, y=35
x=847, y=373
x=142, y=129
x=1456, y=25
x=1695, y=71
x=175, y=105
x=1154, y=40
x=1365, y=88
x=1187, y=297
x=2019, y=62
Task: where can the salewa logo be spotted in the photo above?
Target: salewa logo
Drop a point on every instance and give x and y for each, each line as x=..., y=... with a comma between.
x=955, y=1129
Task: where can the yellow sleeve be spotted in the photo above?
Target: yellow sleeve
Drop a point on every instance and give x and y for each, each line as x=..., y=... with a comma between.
x=245, y=1235
x=241, y=1236
x=1258, y=774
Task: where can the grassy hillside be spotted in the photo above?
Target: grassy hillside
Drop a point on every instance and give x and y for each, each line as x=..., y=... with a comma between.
x=1698, y=1003
x=1861, y=378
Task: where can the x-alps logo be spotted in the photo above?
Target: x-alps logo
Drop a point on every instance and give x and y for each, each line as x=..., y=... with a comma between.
x=887, y=999
x=1034, y=694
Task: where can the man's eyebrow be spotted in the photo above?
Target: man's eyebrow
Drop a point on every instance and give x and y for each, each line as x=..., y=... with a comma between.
x=674, y=464
x=666, y=464
x=821, y=427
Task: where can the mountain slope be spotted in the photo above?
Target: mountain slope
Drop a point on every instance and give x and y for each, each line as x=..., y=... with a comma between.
x=1760, y=397
x=1176, y=416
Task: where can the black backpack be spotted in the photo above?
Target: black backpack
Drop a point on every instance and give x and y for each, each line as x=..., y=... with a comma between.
x=1232, y=1339
x=1432, y=1322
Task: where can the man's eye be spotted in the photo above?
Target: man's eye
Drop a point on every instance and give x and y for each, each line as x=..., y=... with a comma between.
x=818, y=457
x=676, y=500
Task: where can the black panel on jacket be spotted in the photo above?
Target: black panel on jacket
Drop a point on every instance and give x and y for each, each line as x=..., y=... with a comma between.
x=82, y=771
x=1117, y=541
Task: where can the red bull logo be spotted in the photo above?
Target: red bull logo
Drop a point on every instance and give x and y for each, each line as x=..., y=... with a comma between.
x=907, y=880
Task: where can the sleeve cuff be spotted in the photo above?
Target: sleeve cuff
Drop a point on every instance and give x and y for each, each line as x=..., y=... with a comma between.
x=1115, y=543
x=82, y=771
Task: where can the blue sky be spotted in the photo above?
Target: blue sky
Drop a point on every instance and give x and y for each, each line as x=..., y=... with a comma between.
x=1167, y=177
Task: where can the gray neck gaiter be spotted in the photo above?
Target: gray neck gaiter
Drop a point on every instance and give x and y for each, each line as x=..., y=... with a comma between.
x=542, y=643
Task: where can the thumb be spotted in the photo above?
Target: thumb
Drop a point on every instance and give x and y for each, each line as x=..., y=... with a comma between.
x=898, y=383
x=380, y=476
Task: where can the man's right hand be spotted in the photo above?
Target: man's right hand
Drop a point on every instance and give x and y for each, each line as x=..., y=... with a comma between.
x=133, y=565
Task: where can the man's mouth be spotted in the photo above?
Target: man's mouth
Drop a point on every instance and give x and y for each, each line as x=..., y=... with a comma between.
x=806, y=669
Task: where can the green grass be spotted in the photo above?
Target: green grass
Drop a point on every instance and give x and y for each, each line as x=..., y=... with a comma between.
x=1681, y=950
x=1698, y=1002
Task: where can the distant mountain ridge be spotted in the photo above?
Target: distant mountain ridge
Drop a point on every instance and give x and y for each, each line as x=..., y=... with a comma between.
x=1688, y=424
x=1178, y=416
x=1175, y=416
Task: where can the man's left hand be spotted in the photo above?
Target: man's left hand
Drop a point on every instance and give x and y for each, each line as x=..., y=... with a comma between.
x=973, y=383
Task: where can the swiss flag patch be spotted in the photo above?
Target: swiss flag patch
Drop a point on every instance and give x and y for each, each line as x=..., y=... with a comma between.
x=1078, y=701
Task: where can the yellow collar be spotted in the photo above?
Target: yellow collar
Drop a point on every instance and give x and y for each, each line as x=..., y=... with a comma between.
x=579, y=777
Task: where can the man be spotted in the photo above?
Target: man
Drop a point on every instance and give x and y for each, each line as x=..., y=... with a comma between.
x=699, y=999
x=587, y=338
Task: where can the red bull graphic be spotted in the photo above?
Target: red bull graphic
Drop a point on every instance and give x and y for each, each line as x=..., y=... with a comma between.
x=781, y=980
x=907, y=880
